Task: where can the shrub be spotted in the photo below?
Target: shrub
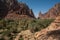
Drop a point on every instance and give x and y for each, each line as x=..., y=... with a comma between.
x=10, y=28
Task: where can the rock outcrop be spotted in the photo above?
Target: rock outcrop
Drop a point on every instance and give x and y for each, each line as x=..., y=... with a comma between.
x=26, y=35
x=52, y=13
x=12, y=9
x=40, y=15
x=52, y=32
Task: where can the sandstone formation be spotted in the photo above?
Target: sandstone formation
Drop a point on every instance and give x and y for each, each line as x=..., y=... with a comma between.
x=12, y=9
x=52, y=32
x=52, y=13
x=26, y=35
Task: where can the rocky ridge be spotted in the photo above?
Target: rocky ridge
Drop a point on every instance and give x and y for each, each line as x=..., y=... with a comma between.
x=52, y=13
x=12, y=9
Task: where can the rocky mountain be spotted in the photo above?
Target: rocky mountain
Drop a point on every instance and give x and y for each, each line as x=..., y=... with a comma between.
x=52, y=13
x=12, y=9
x=6, y=6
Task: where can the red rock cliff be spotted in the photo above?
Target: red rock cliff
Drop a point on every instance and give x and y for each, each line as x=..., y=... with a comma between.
x=52, y=13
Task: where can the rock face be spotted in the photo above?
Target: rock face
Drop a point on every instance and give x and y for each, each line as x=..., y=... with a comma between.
x=52, y=32
x=12, y=9
x=6, y=6
x=52, y=13
x=26, y=35
x=40, y=15
x=3, y=9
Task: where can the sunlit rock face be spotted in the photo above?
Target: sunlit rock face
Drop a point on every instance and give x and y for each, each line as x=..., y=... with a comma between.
x=52, y=13
x=12, y=9
x=26, y=35
x=52, y=32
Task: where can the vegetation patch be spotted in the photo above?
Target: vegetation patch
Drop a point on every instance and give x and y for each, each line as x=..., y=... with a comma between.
x=10, y=28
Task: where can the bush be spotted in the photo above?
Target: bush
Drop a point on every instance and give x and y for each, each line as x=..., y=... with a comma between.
x=10, y=28
x=38, y=24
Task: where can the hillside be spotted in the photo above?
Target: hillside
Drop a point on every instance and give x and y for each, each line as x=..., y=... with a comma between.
x=18, y=22
x=12, y=9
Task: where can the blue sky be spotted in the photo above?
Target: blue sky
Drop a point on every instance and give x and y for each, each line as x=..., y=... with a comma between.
x=40, y=5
